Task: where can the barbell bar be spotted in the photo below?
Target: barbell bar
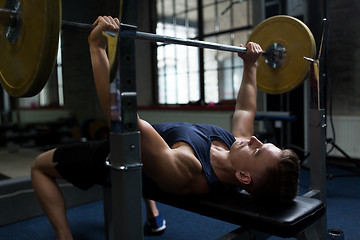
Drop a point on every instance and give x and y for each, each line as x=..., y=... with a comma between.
x=156, y=38
x=275, y=54
x=280, y=47
x=11, y=18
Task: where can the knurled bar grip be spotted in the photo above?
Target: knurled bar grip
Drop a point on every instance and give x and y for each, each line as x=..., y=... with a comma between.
x=188, y=42
x=157, y=38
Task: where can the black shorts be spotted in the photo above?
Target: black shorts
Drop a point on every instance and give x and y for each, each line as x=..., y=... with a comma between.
x=83, y=165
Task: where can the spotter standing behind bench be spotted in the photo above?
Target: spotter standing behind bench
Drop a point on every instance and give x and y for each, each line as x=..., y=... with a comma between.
x=180, y=158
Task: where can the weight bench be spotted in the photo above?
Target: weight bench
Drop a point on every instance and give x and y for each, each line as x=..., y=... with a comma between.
x=239, y=208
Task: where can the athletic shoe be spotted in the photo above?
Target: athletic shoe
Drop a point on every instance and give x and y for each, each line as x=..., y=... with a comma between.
x=155, y=226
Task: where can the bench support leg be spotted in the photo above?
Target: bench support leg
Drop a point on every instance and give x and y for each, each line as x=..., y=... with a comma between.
x=310, y=233
x=242, y=233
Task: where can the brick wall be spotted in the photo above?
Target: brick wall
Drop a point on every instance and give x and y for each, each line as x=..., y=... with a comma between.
x=344, y=56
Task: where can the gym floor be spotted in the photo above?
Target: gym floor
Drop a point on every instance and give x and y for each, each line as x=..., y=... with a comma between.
x=17, y=162
x=343, y=194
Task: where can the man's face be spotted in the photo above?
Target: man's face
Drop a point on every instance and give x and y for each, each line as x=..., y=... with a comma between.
x=253, y=156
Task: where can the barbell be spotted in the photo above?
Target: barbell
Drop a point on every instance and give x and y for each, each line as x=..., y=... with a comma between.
x=29, y=44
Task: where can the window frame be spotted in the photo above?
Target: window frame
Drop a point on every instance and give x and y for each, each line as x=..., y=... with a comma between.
x=202, y=36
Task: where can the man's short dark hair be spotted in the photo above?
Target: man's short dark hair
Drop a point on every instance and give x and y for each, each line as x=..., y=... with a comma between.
x=280, y=184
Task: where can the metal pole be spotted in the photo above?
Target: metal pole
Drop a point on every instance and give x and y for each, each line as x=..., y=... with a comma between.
x=125, y=220
x=317, y=130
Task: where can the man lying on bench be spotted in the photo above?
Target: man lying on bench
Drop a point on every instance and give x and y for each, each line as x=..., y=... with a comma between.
x=181, y=158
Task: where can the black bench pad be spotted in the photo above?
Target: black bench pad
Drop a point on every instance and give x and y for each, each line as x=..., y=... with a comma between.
x=240, y=209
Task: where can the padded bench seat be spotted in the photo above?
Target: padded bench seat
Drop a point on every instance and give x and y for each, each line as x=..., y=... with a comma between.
x=240, y=209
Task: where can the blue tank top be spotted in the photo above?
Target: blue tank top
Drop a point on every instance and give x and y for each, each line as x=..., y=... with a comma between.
x=199, y=137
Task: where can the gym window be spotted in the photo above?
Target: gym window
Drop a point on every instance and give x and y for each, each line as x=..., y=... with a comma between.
x=188, y=74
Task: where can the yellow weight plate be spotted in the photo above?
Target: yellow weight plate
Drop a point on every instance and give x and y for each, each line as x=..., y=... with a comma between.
x=298, y=41
x=27, y=62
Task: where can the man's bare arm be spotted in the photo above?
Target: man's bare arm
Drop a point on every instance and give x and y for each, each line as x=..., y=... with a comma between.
x=99, y=59
x=245, y=109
